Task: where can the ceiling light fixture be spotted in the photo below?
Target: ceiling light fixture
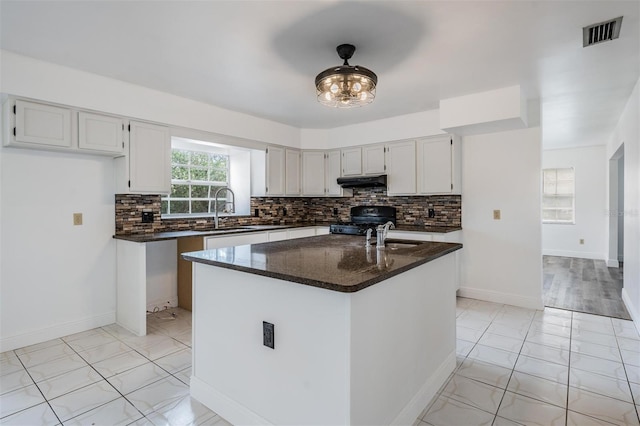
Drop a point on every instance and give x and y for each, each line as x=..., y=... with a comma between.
x=346, y=86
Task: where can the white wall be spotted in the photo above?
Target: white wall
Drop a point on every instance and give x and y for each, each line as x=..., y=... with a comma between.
x=56, y=278
x=27, y=77
x=627, y=133
x=425, y=123
x=591, y=204
x=502, y=259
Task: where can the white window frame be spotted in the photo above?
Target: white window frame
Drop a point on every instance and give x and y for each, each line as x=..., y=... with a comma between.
x=203, y=149
x=551, y=195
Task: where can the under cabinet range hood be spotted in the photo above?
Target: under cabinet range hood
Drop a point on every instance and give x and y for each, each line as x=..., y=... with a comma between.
x=363, y=181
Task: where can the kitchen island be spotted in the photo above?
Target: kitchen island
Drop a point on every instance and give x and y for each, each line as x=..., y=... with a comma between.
x=361, y=336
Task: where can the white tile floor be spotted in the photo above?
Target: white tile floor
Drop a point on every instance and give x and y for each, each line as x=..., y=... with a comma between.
x=515, y=366
x=105, y=376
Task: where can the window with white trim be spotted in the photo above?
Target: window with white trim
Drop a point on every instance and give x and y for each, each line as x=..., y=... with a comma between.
x=195, y=178
x=558, y=195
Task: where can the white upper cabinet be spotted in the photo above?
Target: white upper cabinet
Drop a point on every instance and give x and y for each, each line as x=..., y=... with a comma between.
x=102, y=133
x=41, y=125
x=313, y=172
x=332, y=173
x=275, y=171
x=149, y=158
x=373, y=160
x=438, y=166
x=292, y=172
x=352, y=161
x=401, y=168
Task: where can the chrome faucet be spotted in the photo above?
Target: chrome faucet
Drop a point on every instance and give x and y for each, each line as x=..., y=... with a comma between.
x=382, y=234
x=233, y=203
x=368, y=243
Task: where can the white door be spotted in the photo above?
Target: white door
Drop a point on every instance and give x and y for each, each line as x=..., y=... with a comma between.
x=352, y=162
x=275, y=171
x=149, y=158
x=43, y=124
x=401, y=168
x=332, y=173
x=435, y=166
x=292, y=172
x=373, y=160
x=313, y=182
x=101, y=133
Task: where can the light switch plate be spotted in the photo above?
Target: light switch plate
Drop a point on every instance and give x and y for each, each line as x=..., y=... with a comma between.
x=77, y=219
x=496, y=214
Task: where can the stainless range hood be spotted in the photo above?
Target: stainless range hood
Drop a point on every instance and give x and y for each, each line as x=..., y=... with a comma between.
x=363, y=181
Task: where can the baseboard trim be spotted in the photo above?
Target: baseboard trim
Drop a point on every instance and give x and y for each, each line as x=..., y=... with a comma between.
x=631, y=309
x=56, y=331
x=224, y=406
x=611, y=263
x=499, y=297
x=412, y=410
x=577, y=254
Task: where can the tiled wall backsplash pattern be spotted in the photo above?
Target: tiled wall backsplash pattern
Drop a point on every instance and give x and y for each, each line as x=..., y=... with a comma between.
x=412, y=210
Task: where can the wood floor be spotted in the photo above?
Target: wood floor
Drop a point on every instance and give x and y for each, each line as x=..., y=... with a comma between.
x=583, y=285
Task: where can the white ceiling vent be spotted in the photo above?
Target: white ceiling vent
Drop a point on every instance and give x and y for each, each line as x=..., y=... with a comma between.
x=601, y=32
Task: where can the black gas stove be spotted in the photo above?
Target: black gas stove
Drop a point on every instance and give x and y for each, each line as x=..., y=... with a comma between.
x=363, y=218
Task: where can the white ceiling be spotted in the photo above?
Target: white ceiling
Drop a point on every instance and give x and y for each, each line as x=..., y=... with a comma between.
x=261, y=57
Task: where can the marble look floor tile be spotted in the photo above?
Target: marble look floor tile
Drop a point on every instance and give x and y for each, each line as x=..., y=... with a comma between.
x=495, y=356
x=553, y=319
x=473, y=324
x=627, y=333
x=490, y=374
x=7, y=355
x=137, y=378
x=602, y=407
x=65, y=383
x=175, y=362
x=598, y=365
x=56, y=367
x=103, y=352
x=161, y=349
x=10, y=365
x=463, y=347
x=40, y=415
x=549, y=340
x=596, y=327
x=510, y=330
x=474, y=393
x=530, y=411
x=84, y=334
x=501, y=421
x=118, y=331
x=537, y=388
x=577, y=419
x=184, y=338
x=497, y=341
x=19, y=399
x=93, y=341
x=184, y=376
x=629, y=344
x=633, y=373
x=581, y=316
x=158, y=395
x=115, y=413
x=556, y=330
x=545, y=353
x=468, y=334
x=217, y=421
x=593, y=337
x=123, y=362
x=548, y=311
x=599, y=384
x=39, y=346
x=31, y=359
x=635, y=391
x=13, y=381
x=186, y=411
x=543, y=369
x=83, y=400
x=447, y=412
x=599, y=351
x=512, y=321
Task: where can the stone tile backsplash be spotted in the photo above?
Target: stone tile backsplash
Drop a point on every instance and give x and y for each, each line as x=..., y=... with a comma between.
x=412, y=210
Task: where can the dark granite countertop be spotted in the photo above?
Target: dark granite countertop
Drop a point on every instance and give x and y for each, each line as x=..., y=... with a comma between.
x=335, y=262
x=425, y=228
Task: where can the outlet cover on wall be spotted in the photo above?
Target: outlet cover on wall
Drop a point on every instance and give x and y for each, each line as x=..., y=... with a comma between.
x=581, y=240
x=496, y=214
x=77, y=219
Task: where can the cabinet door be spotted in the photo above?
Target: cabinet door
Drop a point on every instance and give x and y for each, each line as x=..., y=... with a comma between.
x=40, y=124
x=401, y=168
x=149, y=158
x=301, y=233
x=292, y=172
x=332, y=173
x=235, y=240
x=275, y=171
x=278, y=235
x=373, y=160
x=100, y=133
x=352, y=162
x=435, y=166
x=313, y=173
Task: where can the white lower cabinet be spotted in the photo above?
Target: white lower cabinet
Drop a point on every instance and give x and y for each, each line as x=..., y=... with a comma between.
x=235, y=240
x=278, y=235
